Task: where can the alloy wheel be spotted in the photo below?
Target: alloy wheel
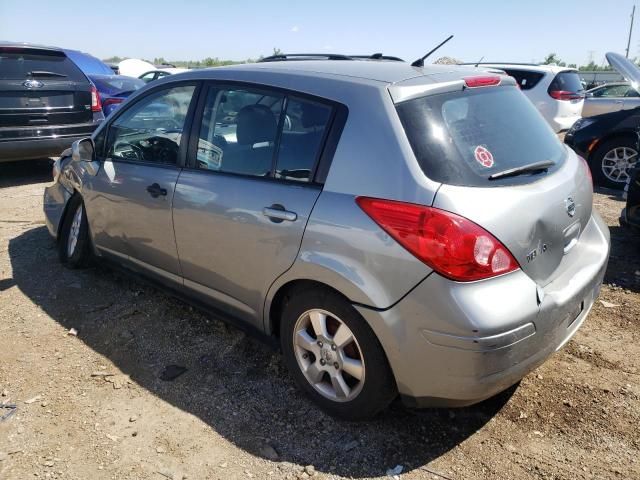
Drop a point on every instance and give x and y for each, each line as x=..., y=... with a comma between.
x=328, y=355
x=618, y=162
x=74, y=231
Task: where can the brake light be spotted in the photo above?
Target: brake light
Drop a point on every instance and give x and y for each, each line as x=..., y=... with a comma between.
x=112, y=101
x=453, y=246
x=565, y=95
x=96, y=104
x=482, y=81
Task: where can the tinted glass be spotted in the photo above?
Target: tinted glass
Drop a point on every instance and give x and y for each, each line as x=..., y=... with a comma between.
x=612, y=91
x=462, y=138
x=151, y=129
x=116, y=84
x=239, y=131
x=19, y=65
x=566, y=81
x=304, y=127
x=526, y=80
x=631, y=92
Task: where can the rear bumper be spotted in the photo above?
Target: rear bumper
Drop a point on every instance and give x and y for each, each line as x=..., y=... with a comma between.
x=455, y=344
x=562, y=123
x=14, y=146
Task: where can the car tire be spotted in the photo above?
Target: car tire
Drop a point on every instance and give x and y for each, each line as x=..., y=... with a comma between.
x=334, y=385
x=73, y=241
x=601, y=159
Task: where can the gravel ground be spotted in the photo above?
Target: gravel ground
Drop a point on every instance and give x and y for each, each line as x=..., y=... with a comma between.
x=93, y=405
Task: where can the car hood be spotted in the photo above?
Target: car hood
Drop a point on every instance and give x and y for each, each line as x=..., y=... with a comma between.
x=626, y=68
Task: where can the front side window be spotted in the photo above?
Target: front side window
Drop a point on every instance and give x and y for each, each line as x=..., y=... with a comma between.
x=151, y=129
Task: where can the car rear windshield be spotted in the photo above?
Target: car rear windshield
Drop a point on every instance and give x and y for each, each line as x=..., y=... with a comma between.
x=525, y=79
x=117, y=84
x=464, y=137
x=20, y=64
x=566, y=81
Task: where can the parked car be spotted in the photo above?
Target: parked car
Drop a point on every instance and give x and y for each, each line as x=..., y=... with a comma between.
x=89, y=64
x=610, y=98
x=630, y=215
x=609, y=141
x=46, y=102
x=152, y=75
x=557, y=92
x=114, y=89
x=398, y=230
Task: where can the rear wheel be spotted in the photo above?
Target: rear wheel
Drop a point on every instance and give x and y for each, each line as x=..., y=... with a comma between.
x=73, y=242
x=613, y=161
x=334, y=355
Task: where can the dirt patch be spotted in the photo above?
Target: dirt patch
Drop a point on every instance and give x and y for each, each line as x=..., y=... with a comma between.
x=94, y=404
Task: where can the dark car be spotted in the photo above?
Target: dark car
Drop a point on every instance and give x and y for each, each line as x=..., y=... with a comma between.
x=114, y=89
x=630, y=215
x=46, y=102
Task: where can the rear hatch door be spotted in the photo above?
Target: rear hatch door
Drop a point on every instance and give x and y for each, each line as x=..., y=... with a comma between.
x=481, y=144
x=41, y=87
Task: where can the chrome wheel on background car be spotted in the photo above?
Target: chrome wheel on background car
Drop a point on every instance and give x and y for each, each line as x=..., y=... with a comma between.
x=328, y=355
x=74, y=231
x=618, y=162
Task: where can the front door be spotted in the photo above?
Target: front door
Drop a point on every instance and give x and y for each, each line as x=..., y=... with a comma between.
x=129, y=200
x=241, y=209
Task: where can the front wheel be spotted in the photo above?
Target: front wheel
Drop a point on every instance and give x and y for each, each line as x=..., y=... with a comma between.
x=334, y=356
x=613, y=161
x=73, y=242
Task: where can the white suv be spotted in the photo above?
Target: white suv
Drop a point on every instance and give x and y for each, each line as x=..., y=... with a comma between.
x=555, y=91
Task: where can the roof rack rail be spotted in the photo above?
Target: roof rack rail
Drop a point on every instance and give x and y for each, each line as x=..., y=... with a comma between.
x=283, y=57
x=501, y=63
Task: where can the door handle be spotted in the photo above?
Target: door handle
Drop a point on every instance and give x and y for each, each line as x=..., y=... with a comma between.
x=278, y=214
x=155, y=190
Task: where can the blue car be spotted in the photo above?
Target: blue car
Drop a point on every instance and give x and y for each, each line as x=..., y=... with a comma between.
x=89, y=64
x=114, y=89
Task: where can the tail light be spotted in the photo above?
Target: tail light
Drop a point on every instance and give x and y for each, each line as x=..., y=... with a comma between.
x=112, y=101
x=96, y=104
x=453, y=246
x=565, y=95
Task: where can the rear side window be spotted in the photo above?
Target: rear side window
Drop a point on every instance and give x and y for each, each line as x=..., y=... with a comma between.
x=20, y=64
x=566, y=82
x=526, y=80
x=461, y=138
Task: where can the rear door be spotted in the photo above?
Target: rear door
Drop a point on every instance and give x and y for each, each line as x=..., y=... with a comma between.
x=605, y=99
x=41, y=87
x=129, y=201
x=483, y=133
x=241, y=207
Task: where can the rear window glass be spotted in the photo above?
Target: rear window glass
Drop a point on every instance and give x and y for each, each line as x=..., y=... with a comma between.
x=566, y=81
x=23, y=64
x=526, y=80
x=117, y=84
x=461, y=138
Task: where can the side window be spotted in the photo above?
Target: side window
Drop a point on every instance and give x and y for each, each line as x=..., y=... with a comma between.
x=239, y=131
x=631, y=92
x=304, y=128
x=151, y=129
x=147, y=77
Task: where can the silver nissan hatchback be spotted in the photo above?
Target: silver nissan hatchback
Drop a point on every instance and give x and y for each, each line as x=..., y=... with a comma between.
x=401, y=230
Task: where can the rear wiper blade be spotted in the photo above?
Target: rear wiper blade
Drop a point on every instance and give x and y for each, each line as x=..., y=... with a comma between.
x=45, y=73
x=531, y=168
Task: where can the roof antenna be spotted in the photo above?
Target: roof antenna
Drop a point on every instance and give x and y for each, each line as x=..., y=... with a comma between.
x=479, y=61
x=420, y=61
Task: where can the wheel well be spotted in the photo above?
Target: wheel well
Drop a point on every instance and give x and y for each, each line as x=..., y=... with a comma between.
x=624, y=135
x=285, y=292
x=64, y=211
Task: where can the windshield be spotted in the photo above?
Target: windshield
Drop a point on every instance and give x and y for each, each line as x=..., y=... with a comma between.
x=462, y=138
x=20, y=64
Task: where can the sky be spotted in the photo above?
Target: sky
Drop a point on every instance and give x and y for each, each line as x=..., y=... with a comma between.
x=499, y=31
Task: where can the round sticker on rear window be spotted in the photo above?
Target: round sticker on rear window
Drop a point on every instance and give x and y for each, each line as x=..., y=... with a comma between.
x=483, y=156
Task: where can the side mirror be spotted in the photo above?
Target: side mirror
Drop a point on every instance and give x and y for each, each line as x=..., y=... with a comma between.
x=83, y=150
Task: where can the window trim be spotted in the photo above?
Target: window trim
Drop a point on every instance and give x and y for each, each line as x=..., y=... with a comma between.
x=328, y=144
x=186, y=130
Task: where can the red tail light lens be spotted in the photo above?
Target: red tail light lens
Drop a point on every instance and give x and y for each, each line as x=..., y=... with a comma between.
x=96, y=104
x=112, y=101
x=482, y=81
x=453, y=246
x=565, y=95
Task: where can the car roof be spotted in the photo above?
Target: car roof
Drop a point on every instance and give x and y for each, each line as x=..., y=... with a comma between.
x=353, y=71
x=530, y=67
x=4, y=43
